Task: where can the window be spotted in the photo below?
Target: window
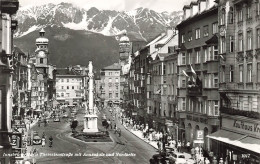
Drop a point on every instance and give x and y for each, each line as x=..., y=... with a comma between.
x=110, y=95
x=62, y=87
x=241, y=73
x=231, y=15
x=190, y=36
x=183, y=82
x=258, y=8
x=72, y=87
x=258, y=37
x=189, y=58
x=248, y=12
x=223, y=17
x=164, y=69
x=206, y=31
x=231, y=73
x=117, y=87
x=250, y=103
x=241, y=103
x=41, y=60
x=215, y=80
x=215, y=52
x=240, y=42
x=231, y=43
x=249, y=40
x=197, y=56
x=68, y=94
x=62, y=94
x=205, y=54
x=110, y=80
x=183, y=58
x=117, y=80
x=215, y=28
x=68, y=80
x=216, y=109
x=249, y=72
x=258, y=72
x=223, y=74
x=222, y=44
x=68, y=87
x=116, y=95
x=258, y=104
x=183, y=105
x=62, y=80
x=197, y=33
x=209, y=80
x=182, y=38
x=240, y=15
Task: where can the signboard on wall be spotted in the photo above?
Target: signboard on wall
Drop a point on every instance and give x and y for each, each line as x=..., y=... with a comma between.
x=200, y=135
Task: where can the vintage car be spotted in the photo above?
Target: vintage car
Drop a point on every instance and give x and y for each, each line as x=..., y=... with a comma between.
x=56, y=119
x=36, y=139
x=177, y=158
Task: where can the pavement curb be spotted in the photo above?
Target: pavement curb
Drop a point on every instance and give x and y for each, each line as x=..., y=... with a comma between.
x=139, y=137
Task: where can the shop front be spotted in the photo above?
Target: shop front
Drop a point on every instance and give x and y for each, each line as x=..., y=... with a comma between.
x=195, y=123
x=238, y=141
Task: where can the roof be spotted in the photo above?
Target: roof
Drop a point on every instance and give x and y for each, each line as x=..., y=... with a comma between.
x=67, y=71
x=18, y=50
x=212, y=40
x=115, y=66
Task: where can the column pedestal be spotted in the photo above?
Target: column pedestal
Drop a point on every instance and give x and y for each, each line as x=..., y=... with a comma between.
x=90, y=123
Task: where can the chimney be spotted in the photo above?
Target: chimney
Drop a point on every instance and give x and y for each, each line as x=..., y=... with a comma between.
x=202, y=5
x=186, y=12
x=194, y=8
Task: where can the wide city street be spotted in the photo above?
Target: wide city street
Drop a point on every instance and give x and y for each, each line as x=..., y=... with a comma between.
x=130, y=148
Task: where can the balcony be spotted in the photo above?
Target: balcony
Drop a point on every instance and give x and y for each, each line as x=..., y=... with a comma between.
x=233, y=111
x=194, y=90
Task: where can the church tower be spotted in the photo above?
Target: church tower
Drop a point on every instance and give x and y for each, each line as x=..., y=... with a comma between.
x=124, y=50
x=41, y=53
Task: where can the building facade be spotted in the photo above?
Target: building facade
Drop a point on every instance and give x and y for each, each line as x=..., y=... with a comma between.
x=198, y=97
x=70, y=85
x=239, y=41
x=7, y=27
x=110, y=80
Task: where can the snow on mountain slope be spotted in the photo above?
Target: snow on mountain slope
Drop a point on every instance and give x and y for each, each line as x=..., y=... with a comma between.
x=142, y=23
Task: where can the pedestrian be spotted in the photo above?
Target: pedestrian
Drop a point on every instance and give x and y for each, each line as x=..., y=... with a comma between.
x=214, y=161
x=207, y=161
x=179, y=146
x=192, y=152
x=43, y=142
x=119, y=132
x=188, y=146
x=197, y=150
x=39, y=123
x=50, y=141
x=221, y=161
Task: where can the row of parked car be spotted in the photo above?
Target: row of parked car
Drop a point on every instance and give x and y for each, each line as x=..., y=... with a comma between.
x=171, y=157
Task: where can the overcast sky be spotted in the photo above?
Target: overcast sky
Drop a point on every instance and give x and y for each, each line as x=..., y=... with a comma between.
x=119, y=5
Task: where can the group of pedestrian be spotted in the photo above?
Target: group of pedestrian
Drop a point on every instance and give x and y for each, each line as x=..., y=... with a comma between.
x=44, y=140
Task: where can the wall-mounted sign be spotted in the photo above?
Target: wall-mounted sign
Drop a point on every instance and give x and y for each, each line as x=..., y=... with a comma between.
x=200, y=135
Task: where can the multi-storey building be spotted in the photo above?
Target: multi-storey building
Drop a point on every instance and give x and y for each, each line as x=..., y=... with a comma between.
x=46, y=72
x=70, y=85
x=198, y=98
x=7, y=26
x=157, y=85
x=110, y=81
x=20, y=80
x=239, y=49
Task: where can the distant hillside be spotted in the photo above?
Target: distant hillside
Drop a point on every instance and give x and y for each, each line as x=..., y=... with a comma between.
x=71, y=47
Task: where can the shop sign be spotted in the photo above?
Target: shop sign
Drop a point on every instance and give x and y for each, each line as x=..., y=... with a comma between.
x=197, y=119
x=199, y=141
x=17, y=152
x=134, y=113
x=242, y=126
x=18, y=126
x=200, y=135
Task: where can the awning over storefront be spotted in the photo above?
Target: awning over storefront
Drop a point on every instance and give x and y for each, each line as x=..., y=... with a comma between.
x=236, y=139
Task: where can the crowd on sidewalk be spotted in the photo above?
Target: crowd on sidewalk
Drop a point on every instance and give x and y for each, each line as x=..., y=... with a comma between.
x=162, y=141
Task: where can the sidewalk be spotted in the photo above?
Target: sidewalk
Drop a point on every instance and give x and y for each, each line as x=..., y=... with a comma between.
x=139, y=134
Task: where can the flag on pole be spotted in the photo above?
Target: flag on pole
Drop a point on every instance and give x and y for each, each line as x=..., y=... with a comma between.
x=192, y=70
x=185, y=73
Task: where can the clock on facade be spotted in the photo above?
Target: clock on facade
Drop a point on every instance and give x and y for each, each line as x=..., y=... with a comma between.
x=41, y=54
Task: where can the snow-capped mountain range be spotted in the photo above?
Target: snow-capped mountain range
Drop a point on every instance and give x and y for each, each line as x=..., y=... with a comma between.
x=141, y=23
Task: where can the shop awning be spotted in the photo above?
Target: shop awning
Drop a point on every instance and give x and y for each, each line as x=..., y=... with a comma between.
x=236, y=139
